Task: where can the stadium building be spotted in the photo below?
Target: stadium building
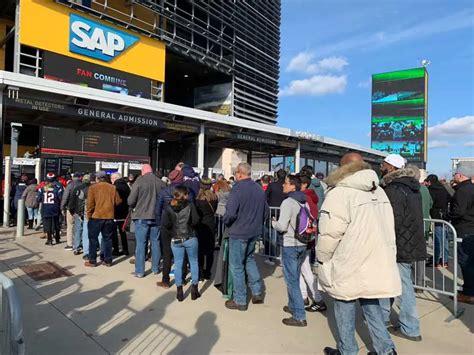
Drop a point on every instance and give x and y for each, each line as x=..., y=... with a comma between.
x=110, y=85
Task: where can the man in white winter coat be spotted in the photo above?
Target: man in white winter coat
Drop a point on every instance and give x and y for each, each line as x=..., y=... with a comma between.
x=357, y=253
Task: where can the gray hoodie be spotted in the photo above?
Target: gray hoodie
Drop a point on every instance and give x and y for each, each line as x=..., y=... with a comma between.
x=286, y=223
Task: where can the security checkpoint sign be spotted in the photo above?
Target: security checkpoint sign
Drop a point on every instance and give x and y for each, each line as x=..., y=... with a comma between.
x=47, y=25
x=23, y=161
x=110, y=165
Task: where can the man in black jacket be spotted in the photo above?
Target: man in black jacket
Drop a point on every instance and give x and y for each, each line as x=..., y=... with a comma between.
x=121, y=212
x=403, y=191
x=439, y=210
x=461, y=215
x=275, y=196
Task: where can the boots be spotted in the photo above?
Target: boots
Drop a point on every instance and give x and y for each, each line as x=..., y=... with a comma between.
x=30, y=224
x=179, y=294
x=195, y=292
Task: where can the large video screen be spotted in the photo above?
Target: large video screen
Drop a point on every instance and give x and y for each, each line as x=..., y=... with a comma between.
x=399, y=113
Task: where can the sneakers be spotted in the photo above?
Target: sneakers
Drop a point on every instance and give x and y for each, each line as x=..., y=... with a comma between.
x=163, y=284
x=306, y=302
x=292, y=322
x=331, y=351
x=68, y=247
x=230, y=304
x=398, y=333
x=139, y=276
x=317, y=307
x=107, y=263
x=465, y=298
x=258, y=299
x=85, y=257
x=287, y=310
x=77, y=252
x=172, y=273
x=89, y=264
x=49, y=242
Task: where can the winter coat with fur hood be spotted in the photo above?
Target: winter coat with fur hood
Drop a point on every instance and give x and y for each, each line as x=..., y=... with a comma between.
x=403, y=191
x=356, y=247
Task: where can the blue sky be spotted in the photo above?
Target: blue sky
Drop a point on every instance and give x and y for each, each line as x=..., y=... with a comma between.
x=330, y=49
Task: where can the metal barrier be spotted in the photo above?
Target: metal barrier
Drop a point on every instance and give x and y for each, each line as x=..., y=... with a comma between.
x=11, y=329
x=436, y=274
x=268, y=245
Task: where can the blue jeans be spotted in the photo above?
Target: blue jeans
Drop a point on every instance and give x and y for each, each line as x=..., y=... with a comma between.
x=292, y=258
x=345, y=319
x=32, y=213
x=409, y=322
x=95, y=227
x=242, y=260
x=85, y=238
x=143, y=230
x=77, y=239
x=441, y=244
x=189, y=246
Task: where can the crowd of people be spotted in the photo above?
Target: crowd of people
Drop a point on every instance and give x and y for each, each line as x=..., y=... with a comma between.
x=364, y=234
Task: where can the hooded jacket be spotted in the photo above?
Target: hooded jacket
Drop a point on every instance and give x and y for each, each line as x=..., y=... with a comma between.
x=356, y=246
x=286, y=223
x=403, y=191
x=30, y=196
x=180, y=219
x=68, y=192
x=318, y=187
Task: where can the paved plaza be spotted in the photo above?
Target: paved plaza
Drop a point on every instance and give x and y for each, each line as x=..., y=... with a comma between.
x=108, y=311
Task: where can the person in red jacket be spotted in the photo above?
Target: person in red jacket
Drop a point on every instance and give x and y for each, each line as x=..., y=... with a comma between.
x=307, y=278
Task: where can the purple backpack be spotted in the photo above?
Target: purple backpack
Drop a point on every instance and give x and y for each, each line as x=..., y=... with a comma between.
x=305, y=231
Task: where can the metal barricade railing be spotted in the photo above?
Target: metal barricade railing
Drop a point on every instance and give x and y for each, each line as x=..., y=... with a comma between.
x=11, y=329
x=268, y=245
x=437, y=274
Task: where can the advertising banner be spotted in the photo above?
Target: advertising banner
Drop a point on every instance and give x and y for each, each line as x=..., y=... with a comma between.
x=52, y=27
x=61, y=68
x=399, y=114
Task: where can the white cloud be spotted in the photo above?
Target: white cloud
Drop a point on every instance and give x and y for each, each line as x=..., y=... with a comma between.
x=456, y=126
x=469, y=144
x=305, y=62
x=317, y=85
x=438, y=144
x=364, y=84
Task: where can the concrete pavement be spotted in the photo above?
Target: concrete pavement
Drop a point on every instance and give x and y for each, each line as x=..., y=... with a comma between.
x=108, y=311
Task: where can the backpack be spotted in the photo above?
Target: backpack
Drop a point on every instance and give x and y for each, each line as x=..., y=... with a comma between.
x=305, y=231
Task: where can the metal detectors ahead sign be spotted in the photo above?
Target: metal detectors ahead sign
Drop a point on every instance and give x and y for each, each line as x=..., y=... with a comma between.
x=97, y=41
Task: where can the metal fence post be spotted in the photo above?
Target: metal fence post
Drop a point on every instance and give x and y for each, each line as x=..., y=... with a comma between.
x=20, y=219
x=6, y=193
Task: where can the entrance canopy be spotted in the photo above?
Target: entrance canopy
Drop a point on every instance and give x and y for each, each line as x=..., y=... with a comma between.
x=38, y=101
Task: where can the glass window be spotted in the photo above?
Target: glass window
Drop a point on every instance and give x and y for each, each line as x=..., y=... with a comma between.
x=277, y=163
x=320, y=167
x=290, y=164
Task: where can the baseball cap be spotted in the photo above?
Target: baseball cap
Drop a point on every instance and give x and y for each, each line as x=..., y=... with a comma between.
x=50, y=176
x=395, y=160
x=100, y=174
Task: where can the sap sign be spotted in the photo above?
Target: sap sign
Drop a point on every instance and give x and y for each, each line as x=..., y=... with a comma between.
x=97, y=41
